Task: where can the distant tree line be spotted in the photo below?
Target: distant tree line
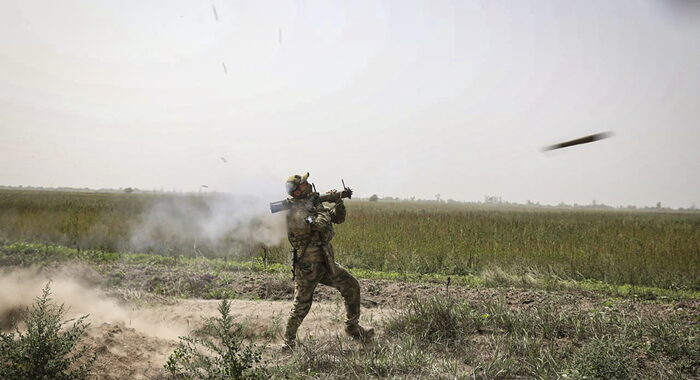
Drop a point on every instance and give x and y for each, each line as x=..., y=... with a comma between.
x=498, y=200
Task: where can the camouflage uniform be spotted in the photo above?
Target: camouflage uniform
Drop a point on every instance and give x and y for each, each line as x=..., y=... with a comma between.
x=315, y=264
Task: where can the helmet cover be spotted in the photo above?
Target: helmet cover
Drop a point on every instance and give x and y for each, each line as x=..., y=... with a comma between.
x=298, y=186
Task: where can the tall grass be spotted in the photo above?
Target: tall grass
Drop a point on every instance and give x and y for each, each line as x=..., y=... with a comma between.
x=90, y=220
x=659, y=249
x=109, y=221
x=640, y=248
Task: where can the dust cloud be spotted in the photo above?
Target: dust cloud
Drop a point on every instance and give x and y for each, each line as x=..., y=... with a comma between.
x=71, y=286
x=76, y=287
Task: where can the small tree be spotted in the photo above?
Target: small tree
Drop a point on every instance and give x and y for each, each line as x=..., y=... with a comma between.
x=46, y=350
x=374, y=198
x=223, y=356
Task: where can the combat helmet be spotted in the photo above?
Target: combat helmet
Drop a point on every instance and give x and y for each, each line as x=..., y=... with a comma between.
x=298, y=186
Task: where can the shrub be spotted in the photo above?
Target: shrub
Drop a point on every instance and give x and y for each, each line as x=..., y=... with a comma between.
x=46, y=350
x=218, y=354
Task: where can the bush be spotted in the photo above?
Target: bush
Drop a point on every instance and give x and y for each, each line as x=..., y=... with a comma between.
x=220, y=355
x=46, y=350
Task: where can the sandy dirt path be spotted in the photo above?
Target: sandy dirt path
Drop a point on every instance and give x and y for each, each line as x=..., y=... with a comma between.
x=138, y=346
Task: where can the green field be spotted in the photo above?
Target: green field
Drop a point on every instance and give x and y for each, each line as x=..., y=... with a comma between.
x=454, y=290
x=659, y=249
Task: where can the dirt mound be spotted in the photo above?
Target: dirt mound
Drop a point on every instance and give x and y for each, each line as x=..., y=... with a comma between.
x=126, y=353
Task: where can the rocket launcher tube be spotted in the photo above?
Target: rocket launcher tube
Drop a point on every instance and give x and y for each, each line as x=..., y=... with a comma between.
x=280, y=206
x=316, y=198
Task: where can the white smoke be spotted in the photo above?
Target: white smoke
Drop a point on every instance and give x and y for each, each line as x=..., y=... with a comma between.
x=211, y=222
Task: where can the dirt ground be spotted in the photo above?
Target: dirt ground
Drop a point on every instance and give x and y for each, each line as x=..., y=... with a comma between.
x=138, y=348
x=134, y=339
x=134, y=330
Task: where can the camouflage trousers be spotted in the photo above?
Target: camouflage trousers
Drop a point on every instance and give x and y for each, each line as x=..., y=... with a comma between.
x=308, y=276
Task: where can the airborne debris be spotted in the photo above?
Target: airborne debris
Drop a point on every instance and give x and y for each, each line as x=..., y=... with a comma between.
x=205, y=186
x=225, y=69
x=582, y=140
x=224, y=160
x=216, y=15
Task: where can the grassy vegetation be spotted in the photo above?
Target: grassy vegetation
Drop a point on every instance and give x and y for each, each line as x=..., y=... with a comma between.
x=622, y=247
x=441, y=336
x=210, y=278
x=447, y=338
x=653, y=249
x=216, y=352
x=335, y=358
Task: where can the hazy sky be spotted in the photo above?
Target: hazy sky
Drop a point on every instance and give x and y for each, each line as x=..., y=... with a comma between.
x=400, y=98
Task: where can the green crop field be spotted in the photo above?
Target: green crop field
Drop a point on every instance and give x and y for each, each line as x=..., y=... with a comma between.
x=659, y=249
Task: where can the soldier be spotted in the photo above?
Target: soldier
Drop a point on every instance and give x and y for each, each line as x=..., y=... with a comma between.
x=310, y=230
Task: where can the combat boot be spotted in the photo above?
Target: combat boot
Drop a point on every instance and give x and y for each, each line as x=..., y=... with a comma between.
x=359, y=333
x=289, y=345
x=290, y=335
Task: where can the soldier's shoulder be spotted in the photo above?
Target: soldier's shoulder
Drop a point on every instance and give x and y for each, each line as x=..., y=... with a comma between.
x=296, y=202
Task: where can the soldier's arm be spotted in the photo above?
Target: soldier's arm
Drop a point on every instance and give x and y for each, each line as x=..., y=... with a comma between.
x=320, y=221
x=338, y=212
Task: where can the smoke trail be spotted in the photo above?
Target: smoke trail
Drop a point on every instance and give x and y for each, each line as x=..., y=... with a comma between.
x=213, y=223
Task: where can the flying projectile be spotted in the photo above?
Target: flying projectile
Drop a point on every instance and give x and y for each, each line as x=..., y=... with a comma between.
x=216, y=14
x=582, y=140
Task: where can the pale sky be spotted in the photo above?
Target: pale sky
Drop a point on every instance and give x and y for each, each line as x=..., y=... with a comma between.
x=399, y=98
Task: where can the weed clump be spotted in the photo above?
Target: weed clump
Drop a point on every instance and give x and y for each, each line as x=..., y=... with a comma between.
x=679, y=345
x=603, y=358
x=46, y=350
x=334, y=357
x=217, y=354
x=436, y=320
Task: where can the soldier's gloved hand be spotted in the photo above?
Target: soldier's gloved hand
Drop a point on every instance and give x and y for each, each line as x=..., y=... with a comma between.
x=347, y=193
x=309, y=220
x=336, y=195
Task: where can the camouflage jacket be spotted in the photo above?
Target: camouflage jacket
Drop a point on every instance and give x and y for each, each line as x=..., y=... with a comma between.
x=304, y=236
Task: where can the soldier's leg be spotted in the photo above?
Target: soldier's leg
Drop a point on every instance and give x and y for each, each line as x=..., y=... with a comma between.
x=349, y=288
x=307, y=277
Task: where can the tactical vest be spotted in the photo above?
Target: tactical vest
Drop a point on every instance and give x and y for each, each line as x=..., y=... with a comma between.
x=308, y=240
